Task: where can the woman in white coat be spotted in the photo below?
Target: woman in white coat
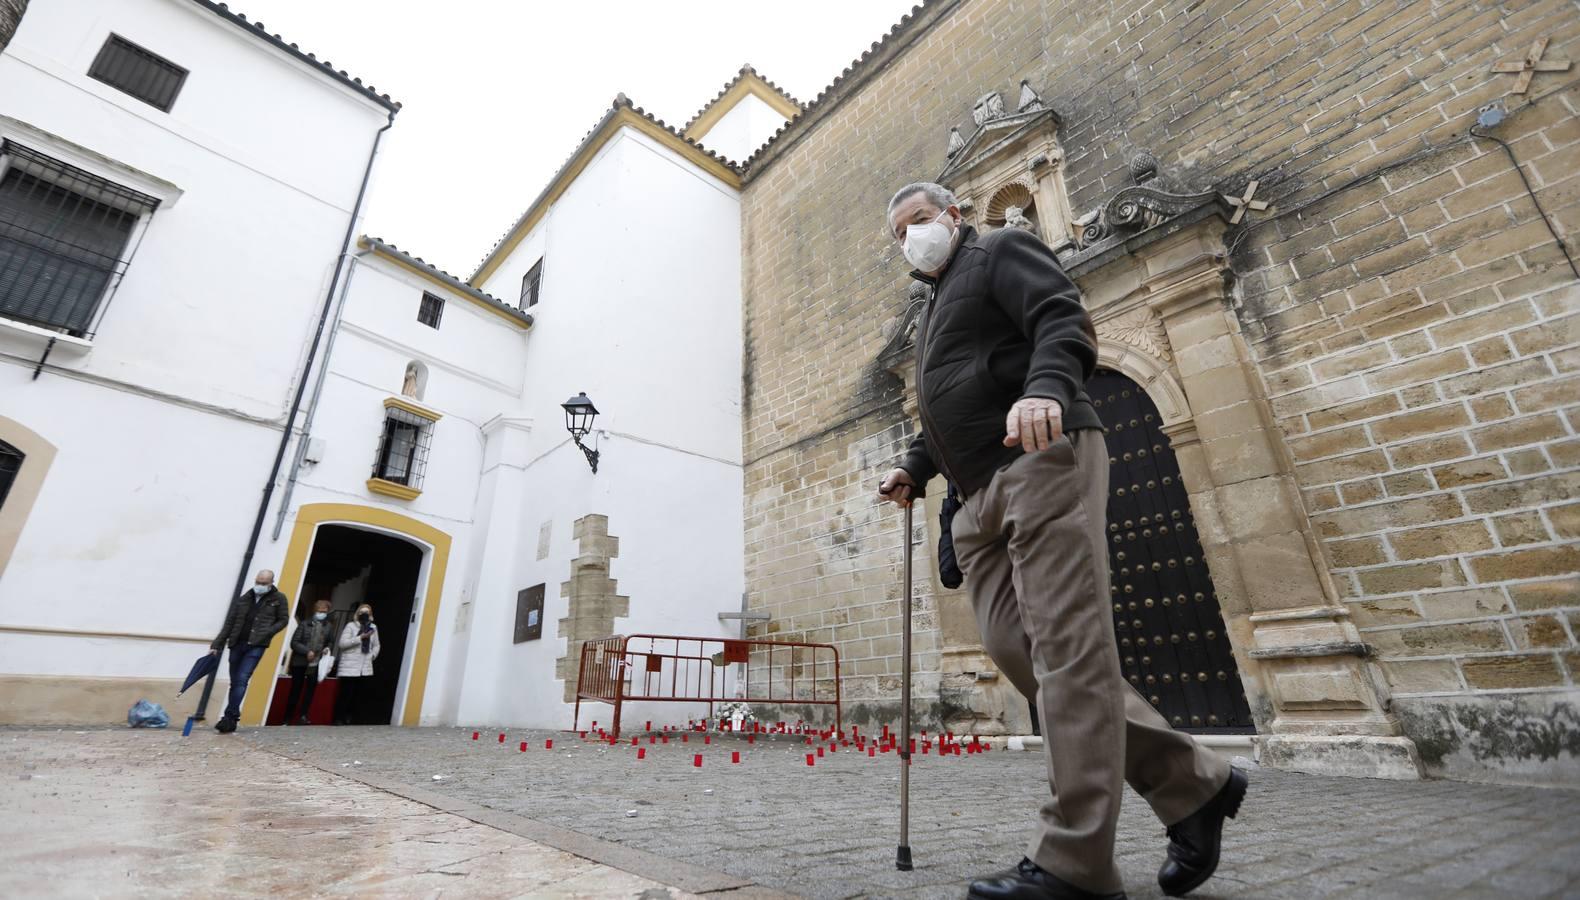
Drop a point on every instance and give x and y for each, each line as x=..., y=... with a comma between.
x=359, y=646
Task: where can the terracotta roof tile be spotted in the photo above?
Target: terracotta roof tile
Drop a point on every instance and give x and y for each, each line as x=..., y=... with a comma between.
x=855, y=68
x=341, y=75
x=458, y=284
x=744, y=71
x=621, y=101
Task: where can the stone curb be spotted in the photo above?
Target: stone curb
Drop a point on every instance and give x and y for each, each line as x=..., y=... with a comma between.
x=683, y=876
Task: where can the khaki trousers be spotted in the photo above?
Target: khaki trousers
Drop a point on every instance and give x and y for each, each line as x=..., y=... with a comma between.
x=1033, y=548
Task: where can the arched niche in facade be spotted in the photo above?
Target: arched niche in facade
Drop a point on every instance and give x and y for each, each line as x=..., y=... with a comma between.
x=28, y=458
x=414, y=383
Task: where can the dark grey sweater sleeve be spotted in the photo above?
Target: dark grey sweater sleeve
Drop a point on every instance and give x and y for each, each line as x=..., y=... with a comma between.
x=1029, y=285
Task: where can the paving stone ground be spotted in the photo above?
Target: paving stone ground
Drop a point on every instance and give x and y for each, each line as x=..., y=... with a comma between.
x=831, y=830
x=120, y=813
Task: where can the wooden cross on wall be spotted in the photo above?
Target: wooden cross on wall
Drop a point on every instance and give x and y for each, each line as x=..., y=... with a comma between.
x=1242, y=203
x=1530, y=65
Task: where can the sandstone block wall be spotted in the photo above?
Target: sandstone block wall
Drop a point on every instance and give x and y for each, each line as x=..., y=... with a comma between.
x=1410, y=318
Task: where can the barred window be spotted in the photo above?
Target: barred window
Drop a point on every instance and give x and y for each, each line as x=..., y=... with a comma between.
x=63, y=232
x=10, y=464
x=147, y=76
x=403, y=448
x=431, y=310
x=531, y=284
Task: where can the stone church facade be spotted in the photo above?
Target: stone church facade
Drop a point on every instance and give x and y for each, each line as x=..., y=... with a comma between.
x=1338, y=348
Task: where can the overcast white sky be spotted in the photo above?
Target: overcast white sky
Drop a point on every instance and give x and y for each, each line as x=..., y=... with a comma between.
x=497, y=93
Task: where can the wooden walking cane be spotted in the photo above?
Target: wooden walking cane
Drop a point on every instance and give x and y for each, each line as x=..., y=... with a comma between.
x=902, y=857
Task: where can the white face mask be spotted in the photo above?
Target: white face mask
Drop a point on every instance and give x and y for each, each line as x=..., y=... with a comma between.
x=260, y=589
x=927, y=246
x=320, y=616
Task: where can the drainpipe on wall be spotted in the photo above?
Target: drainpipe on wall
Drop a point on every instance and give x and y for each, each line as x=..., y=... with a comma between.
x=312, y=404
x=296, y=402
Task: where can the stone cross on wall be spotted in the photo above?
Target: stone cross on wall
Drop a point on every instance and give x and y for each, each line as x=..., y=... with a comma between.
x=1530, y=65
x=1244, y=202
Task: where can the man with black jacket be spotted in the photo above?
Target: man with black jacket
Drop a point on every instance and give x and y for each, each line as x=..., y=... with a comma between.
x=251, y=623
x=1003, y=348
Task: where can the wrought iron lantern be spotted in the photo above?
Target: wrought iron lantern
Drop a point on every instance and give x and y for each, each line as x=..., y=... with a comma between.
x=579, y=415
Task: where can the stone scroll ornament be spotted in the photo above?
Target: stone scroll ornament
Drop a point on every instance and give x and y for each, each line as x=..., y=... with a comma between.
x=1137, y=208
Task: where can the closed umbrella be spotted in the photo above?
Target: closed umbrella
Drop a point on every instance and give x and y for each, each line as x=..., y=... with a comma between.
x=206, y=665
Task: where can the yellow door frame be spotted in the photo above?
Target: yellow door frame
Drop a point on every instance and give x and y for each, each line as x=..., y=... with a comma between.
x=293, y=572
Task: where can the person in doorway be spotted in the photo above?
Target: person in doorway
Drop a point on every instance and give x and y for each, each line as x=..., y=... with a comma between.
x=1003, y=348
x=311, y=641
x=252, y=621
x=359, y=646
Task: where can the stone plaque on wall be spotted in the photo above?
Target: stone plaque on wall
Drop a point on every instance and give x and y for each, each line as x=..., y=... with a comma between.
x=543, y=538
x=529, y=614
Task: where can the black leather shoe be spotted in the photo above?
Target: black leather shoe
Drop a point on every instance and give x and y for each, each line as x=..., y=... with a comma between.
x=1029, y=881
x=1194, y=840
x=225, y=726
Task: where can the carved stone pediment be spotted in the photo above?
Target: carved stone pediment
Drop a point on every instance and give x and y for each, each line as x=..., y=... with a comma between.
x=994, y=136
x=1011, y=160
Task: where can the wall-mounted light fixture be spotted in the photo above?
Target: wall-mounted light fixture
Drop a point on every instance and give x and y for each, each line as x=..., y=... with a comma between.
x=579, y=415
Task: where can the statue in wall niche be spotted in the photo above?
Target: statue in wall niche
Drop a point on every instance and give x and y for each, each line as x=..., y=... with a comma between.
x=1015, y=217
x=408, y=386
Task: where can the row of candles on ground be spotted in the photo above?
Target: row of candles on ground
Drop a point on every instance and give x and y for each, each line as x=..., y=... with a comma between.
x=835, y=738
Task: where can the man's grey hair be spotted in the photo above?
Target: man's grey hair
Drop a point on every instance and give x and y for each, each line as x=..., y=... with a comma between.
x=937, y=195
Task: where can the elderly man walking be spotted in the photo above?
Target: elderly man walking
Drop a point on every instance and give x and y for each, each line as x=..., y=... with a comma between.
x=1003, y=348
x=253, y=620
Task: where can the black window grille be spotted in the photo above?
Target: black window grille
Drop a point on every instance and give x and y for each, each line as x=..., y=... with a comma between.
x=149, y=77
x=62, y=235
x=10, y=464
x=403, y=448
x=431, y=310
x=531, y=284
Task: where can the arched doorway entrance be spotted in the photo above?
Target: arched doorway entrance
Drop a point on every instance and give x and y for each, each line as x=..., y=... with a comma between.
x=1173, y=645
x=328, y=523
x=350, y=566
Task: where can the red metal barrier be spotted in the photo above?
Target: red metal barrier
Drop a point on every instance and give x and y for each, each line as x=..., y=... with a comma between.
x=675, y=669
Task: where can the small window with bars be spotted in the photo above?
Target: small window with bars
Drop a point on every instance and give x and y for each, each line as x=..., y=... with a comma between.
x=63, y=235
x=531, y=284
x=147, y=76
x=431, y=310
x=403, y=448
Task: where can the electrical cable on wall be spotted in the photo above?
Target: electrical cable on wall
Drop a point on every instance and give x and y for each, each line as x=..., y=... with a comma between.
x=1487, y=118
